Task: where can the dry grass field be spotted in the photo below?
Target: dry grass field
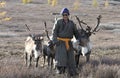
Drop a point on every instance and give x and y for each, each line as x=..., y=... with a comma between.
x=105, y=57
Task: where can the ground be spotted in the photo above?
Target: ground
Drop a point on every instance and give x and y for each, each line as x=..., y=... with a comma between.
x=106, y=45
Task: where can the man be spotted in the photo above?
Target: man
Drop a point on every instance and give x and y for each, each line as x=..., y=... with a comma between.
x=63, y=32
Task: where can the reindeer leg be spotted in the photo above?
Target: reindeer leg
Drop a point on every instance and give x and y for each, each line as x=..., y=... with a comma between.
x=48, y=59
x=88, y=56
x=26, y=58
x=44, y=58
x=30, y=59
x=51, y=62
x=37, y=59
x=77, y=59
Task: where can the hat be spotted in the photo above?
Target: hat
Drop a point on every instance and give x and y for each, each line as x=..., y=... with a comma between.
x=65, y=10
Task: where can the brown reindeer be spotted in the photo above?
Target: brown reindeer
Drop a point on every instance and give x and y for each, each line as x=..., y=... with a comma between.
x=48, y=50
x=83, y=45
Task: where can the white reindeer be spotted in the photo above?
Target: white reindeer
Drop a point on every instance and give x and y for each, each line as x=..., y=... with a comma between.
x=33, y=48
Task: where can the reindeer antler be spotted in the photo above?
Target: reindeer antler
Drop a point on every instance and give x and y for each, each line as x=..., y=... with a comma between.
x=27, y=27
x=79, y=22
x=28, y=30
x=98, y=22
x=46, y=30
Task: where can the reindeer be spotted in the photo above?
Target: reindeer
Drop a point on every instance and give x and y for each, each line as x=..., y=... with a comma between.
x=83, y=46
x=49, y=49
x=33, y=48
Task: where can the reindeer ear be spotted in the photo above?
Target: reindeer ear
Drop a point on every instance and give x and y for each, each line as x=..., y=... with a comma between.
x=41, y=38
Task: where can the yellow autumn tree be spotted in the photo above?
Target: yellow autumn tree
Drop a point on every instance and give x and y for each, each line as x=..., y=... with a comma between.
x=76, y=5
x=95, y=3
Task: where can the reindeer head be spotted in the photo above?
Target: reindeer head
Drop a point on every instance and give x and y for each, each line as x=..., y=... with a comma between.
x=50, y=43
x=86, y=33
x=36, y=38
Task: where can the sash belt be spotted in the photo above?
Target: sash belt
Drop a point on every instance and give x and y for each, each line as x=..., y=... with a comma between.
x=66, y=40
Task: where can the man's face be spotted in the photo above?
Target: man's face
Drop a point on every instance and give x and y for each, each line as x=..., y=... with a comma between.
x=65, y=16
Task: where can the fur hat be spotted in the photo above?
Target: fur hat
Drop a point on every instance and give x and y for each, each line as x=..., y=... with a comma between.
x=65, y=10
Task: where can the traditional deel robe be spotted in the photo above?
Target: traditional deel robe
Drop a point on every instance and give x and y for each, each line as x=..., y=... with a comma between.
x=63, y=56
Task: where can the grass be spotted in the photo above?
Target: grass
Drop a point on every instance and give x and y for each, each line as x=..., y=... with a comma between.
x=14, y=67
